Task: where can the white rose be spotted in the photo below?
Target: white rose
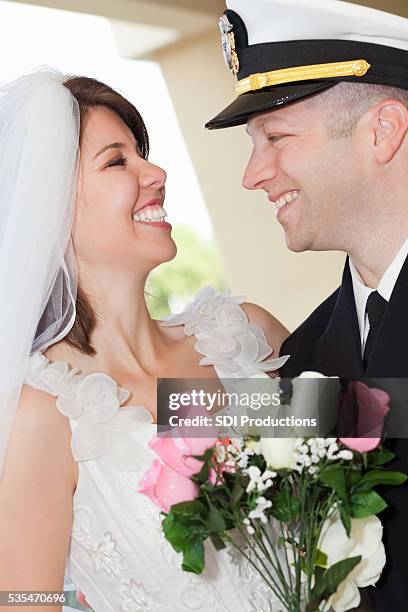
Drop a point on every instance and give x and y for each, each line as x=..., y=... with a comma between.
x=315, y=399
x=312, y=374
x=365, y=540
x=279, y=453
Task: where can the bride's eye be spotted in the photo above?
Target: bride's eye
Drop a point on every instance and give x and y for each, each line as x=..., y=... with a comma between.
x=118, y=161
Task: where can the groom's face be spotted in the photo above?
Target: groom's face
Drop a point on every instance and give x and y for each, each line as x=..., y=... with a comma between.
x=312, y=179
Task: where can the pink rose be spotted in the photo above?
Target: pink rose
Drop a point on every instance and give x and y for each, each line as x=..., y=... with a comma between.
x=166, y=487
x=176, y=452
x=372, y=406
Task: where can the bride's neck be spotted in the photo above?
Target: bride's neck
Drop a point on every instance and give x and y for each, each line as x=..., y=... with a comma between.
x=126, y=339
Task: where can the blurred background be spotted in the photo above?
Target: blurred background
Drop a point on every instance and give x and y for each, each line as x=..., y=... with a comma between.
x=165, y=56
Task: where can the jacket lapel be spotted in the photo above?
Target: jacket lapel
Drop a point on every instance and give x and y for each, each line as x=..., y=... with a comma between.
x=390, y=352
x=338, y=350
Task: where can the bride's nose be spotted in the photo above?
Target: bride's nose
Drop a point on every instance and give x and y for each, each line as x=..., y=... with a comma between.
x=152, y=176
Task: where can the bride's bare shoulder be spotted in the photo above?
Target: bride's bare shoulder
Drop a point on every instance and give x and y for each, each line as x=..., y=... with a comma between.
x=37, y=404
x=39, y=423
x=275, y=332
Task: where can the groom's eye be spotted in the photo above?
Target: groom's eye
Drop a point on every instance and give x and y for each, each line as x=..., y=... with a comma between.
x=275, y=138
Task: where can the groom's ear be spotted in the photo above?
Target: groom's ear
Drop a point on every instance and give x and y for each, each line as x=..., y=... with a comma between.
x=390, y=127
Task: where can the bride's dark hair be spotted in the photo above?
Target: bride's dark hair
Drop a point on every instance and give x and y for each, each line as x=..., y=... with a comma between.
x=89, y=94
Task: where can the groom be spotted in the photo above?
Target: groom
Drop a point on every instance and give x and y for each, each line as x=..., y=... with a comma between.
x=327, y=110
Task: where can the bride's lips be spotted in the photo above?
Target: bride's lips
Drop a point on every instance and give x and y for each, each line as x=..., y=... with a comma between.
x=154, y=202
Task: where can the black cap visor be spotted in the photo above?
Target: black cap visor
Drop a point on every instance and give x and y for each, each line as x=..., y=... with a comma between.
x=238, y=112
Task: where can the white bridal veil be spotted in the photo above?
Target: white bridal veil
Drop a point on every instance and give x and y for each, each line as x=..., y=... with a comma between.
x=39, y=152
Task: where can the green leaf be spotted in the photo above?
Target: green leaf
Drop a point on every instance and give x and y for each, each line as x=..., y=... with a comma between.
x=326, y=582
x=366, y=504
x=380, y=456
x=193, y=558
x=345, y=519
x=202, y=476
x=373, y=478
x=320, y=559
x=285, y=507
x=216, y=522
x=194, y=508
x=206, y=456
x=187, y=536
x=175, y=532
x=354, y=477
x=320, y=562
x=237, y=493
x=336, y=480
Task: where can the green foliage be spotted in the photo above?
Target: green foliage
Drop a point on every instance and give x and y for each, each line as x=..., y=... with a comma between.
x=373, y=478
x=380, y=456
x=320, y=559
x=197, y=264
x=286, y=507
x=216, y=520
x=366, y=504
x=346, y=519
x=328, y=580
x=185, y=529
x=335, y=478
x=236, y=494
x=353, y=484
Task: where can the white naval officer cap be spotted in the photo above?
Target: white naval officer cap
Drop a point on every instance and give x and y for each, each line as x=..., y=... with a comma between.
x=281, y=51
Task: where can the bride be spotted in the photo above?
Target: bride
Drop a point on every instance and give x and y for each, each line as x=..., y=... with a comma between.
x=78, y=443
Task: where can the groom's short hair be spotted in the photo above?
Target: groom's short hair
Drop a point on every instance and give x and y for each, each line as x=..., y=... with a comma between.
x=345, y=104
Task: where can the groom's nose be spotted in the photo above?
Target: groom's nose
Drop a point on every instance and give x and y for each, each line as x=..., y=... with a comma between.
x=260, y=171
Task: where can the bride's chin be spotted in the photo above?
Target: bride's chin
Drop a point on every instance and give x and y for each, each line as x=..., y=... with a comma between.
x=161, y=254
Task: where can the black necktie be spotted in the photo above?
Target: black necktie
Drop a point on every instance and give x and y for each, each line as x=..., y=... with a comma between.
x=375, y=308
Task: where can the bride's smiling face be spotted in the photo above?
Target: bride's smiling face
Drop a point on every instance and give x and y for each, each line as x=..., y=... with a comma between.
x=115, y=181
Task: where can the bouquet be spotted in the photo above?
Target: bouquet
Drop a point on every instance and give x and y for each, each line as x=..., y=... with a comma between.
x=302, y=511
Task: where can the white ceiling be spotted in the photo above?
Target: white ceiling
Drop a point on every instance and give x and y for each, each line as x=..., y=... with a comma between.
x=143, y=26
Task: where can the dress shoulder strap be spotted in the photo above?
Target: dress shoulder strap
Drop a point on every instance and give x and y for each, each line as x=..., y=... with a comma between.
x=92, y=402
x=232, y=344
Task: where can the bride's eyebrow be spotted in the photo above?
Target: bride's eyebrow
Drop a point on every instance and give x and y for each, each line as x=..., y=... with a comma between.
x=113, y=145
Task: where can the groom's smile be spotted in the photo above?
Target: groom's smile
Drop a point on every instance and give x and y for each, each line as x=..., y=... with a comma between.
x=283, y=200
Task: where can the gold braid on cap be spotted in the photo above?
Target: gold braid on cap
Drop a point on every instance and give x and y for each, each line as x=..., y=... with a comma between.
x=260, y=80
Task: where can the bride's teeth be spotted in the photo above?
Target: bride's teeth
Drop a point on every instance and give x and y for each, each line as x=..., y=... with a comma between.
x=151, y=214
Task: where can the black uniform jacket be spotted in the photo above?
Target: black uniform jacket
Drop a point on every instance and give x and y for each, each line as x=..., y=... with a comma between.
x=329, y=342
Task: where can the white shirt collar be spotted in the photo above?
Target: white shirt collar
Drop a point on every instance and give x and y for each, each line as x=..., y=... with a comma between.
x=385, y=286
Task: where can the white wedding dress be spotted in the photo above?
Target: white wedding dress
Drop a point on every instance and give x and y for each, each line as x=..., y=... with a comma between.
x=118, y=556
